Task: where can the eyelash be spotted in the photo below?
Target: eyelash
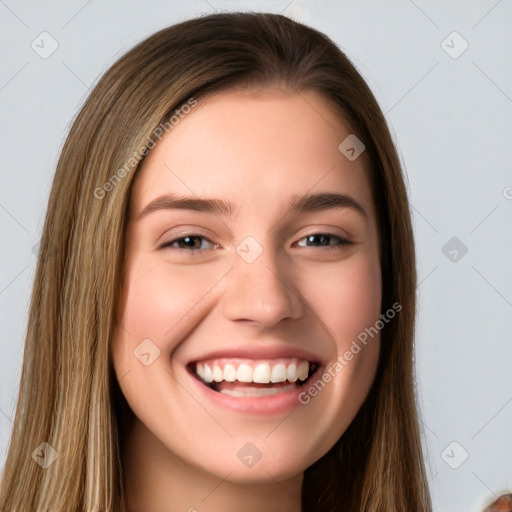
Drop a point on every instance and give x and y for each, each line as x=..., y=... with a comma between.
x=342, y=242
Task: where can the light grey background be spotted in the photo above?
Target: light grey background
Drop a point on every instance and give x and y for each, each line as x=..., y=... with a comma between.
x=452, y=120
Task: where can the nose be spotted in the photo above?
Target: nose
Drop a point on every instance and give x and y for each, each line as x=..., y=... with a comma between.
x=261, y=291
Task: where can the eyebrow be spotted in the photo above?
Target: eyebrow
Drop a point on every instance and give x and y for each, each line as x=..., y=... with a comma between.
x=299, y=204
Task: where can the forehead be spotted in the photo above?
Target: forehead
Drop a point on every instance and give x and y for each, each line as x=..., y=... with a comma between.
x=256, y=148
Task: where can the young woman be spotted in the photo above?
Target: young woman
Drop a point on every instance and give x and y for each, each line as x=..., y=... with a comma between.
x=223, y=311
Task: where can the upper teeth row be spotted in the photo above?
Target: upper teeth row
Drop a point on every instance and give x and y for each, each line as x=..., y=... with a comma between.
x=262, y=372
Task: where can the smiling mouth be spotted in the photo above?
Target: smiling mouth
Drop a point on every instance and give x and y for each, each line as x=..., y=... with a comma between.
x=253, y=378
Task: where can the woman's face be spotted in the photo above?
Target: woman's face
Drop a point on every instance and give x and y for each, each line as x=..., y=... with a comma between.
x=253, y=297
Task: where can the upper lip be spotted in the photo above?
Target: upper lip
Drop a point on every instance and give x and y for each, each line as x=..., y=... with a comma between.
x=257, y=352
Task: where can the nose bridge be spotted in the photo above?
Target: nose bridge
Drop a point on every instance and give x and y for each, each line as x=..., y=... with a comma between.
x=259, y=286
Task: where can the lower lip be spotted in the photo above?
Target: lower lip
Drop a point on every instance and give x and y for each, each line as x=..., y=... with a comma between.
x=262, y=405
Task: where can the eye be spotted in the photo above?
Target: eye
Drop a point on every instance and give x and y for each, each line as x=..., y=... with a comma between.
x=191, y=243
x=188, y=243
x=324, y=239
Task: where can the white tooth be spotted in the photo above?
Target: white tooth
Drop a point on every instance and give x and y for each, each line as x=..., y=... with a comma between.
x=229, y=373
x=218, y=375
x=278, y=373
x=261, y=373
x=244, y=373
x=199, y=370
x=303, y=370
x=207, y=373
x=291, y=372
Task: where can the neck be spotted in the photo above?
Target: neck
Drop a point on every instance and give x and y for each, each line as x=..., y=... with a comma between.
x=156, y=480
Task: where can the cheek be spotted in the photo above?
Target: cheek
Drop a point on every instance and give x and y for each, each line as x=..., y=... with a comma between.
x=348, y=303
x=160, y=304
x=347, y=296
x=156, y=299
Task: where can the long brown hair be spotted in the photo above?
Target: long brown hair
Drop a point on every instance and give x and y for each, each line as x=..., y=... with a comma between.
x=69, y=397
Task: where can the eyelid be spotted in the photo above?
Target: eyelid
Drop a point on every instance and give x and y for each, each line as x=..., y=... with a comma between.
x=182, y=231
x=343, y=241
x=187, y=234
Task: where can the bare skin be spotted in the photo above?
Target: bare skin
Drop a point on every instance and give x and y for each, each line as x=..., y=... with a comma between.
x=258, y=149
